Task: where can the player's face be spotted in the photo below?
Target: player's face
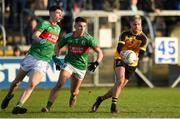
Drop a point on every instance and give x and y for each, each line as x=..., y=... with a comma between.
x=136, y=26
x=56, y=15
x=80, y=28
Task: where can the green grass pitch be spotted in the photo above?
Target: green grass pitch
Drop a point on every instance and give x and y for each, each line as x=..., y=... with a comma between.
x=133, y=103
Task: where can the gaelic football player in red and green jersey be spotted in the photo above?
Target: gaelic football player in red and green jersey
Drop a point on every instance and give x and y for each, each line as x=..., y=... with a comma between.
x=79, y=43
x=133, y=39
x=36, y=61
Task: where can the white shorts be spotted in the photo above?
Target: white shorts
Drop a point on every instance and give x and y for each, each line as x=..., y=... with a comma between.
x=30, y=63
x=77, y=73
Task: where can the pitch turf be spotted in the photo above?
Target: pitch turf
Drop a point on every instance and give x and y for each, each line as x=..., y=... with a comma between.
x=133, y=103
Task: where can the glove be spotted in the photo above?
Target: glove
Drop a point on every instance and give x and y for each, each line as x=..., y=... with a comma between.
x=93, y=66
x=57, y=62
x=42, y=41
x=58, y=67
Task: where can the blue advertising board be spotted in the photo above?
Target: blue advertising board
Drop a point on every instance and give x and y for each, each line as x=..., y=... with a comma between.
x=9, y=67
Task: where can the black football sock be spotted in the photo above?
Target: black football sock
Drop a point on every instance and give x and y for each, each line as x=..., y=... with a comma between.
x=49, y=104
x=114, y=100
x=9, y=95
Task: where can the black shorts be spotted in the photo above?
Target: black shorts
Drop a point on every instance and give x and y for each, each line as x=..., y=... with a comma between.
x=129, y=70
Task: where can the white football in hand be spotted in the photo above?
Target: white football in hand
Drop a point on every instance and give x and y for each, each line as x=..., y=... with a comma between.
x=129, y=57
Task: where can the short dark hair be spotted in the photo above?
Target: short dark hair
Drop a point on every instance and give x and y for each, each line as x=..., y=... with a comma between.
x=80, y=19
x=54, y=8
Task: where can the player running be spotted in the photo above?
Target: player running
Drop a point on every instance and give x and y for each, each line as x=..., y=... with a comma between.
x=36, y=61
x=135, y=40
x=79, y=43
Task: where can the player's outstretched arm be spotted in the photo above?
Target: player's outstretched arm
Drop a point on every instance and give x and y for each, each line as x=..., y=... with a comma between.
x=99, y=54
x=93, y=65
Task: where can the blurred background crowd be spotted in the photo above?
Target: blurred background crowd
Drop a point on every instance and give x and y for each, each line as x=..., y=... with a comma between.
x=14, y=9
x=19, y=20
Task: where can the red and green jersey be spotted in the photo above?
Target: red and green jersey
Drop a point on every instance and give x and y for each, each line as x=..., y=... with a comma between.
x=51, y=34
x=78, y=49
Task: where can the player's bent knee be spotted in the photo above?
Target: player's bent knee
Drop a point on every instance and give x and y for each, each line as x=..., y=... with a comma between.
x=32, y=86
x=58, y=87
x=119, y=83
x=15, y=83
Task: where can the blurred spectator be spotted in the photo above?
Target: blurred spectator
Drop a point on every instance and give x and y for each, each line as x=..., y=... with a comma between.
x=97, y=4
x=124, y=4
x=29, y=31
x=172, y=4
x=85, y=4
x=41, y=4
x=133, y=5
x=78, y=5
x=150, y=5
x=158, y=22
x=17, y=51
x=111, y=5
x=178, y=4
x=16, y=7
x=160, y=27
x=171, y=21
x=88, y=4
x=62, y=3
x=130, y=5
x=7, y=5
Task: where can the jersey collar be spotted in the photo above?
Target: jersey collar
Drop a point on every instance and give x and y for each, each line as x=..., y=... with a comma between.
x=75, y=35
x=52, y=23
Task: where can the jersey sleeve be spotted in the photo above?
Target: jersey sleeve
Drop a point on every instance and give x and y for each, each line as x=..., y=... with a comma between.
x=144, y=43
x=93, y=43
x=122, y=38
x=62, y=42
x=41, y=26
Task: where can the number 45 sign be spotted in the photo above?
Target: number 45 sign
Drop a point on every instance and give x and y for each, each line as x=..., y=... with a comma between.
x=166, y=50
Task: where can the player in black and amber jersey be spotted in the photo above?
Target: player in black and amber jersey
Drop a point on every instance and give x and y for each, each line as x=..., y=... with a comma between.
x=130, y=40
x=135, y=40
